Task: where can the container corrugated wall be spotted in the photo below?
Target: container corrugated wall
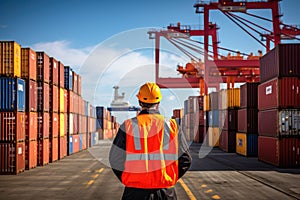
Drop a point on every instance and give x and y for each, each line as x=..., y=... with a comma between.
x=28, y=64
x=281, y=61
x=10, y=59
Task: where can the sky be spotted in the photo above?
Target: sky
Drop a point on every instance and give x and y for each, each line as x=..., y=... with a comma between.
x=106, y=42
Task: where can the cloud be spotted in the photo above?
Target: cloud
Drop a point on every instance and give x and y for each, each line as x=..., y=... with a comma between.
x=61, y=50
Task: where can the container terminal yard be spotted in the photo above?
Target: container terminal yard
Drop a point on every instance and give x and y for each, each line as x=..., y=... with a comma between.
x=244, y=141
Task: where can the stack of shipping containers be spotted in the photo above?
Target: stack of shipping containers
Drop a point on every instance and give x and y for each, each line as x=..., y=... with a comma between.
x=29, y=74
x=229, y=102
x=279, y=106
x=12, y=110
x=43, y=107
x=54, y=117
x=213, y=132
x=104, y=125
x=246, y=137
x=193, y=122
x=62, y=104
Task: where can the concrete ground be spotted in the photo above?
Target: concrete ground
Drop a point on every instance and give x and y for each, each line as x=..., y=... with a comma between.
x=218, y=175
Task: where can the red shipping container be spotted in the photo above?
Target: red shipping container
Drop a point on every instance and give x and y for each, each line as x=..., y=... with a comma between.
x=227, y=141
x=30, y=154
x=281, y=61
x=43, y=96
x=79, y=85
x=275, y=122
x=75, y=143
x=43, y=152
x=53, y=149
x=31, y=125
x=54, y=71
x=43, y=67
x=54, y=100
x=70, y=102
x=198, y=136
x=43, y=125
x=61, y=74
x=54, y=125
x=249, y=95
x=248, y=120
x=31, y=98
x=282, y=152
x=279, y=93
x=12, y=157
x=75, y=82
x=62, y=147
x=66, y=100
x=84, y=141
x=12, y=126
x=228, y=119
x=28, y=64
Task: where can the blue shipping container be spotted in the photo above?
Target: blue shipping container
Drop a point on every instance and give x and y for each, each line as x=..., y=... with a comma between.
x=213, y=118
x=99, y=111
x=80, y=142
x=86, y=108
x=68, y=78
x=70, y=144
x=99, y=123
x=12, y=91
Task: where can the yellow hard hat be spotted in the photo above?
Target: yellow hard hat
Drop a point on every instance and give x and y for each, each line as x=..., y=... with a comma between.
x=149, y=93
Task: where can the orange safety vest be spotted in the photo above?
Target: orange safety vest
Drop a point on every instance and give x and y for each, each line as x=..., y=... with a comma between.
x=151, y=152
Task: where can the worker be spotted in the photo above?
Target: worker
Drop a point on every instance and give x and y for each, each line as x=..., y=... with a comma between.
x=149, y=154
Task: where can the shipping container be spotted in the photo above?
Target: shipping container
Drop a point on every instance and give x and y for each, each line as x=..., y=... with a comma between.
x=214, y=100
x=70, y=107
x=79, y=84
x=43, y=125
x=229, y=98
x=70, y=144
x=43, y=152
x=12, y=91
x=43, y=92
x=75, y=143
x=249, y=95
x=227, y=141
x=248, y=120
x=54, y=73
x=228, y=119
x=279, y=123
x=75, y=82
x=12, y=158
x=213, y=136
x=43, y=67
x=62, y=147
x=53, y=97
x=53, y=149
x=281, y=61
x=246, y=144
x=28, y=64
x=30, y=154
x=61, y=124
x=31, y=124
x=61, y=106
x=10, y=59
x=279, y=93
x=199, y=134
x=61, y=74
x=213, y=118
x=95, y=139
x=206, y=103
x=54, y=125
x=282, y=152
x=177, y=113
x=12, y=127
x=31, y=98
x=68, y=79
x=82, y=142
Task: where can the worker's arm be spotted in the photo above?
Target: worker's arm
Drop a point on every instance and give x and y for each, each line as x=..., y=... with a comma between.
x=185, y=158
x=117, y=154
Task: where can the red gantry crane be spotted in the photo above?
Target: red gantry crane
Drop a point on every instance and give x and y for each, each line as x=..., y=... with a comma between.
x=216, y=68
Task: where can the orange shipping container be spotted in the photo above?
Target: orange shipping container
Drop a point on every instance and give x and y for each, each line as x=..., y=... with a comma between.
x=213, y=136
x=229, y=98
x=31, y=125
x=10, y=58
x=28, y=64
x=206, y=106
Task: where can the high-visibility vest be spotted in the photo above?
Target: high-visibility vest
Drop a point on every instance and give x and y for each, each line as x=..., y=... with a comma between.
x=151, y=152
